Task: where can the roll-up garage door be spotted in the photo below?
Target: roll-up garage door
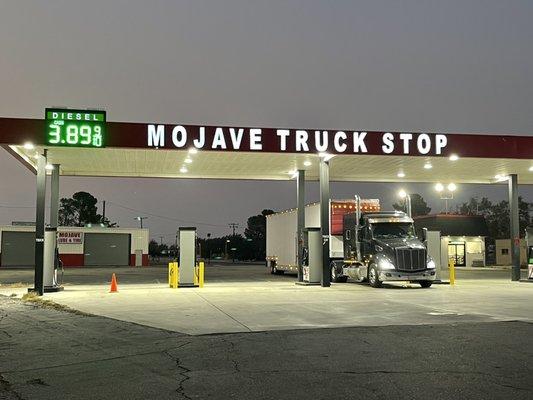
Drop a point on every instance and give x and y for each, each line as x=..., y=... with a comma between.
x=107, y=249
x=18, y=249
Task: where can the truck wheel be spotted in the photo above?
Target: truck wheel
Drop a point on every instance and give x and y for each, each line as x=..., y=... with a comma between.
x=425, y=284
x=373, y=277
x=274, y=270
x=336, y=275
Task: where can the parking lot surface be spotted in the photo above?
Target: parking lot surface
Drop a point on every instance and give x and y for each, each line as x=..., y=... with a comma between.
x=244, y=298
x=50, y=354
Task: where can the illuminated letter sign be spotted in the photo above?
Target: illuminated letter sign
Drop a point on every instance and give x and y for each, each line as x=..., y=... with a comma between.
x=75, y=128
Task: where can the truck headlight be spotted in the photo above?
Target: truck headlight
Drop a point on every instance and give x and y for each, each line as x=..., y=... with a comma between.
x=431, y=264
x=385, y=264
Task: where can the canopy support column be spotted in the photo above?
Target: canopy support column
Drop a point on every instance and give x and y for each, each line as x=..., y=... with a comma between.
x=324, y=220
x=300, y=201
x=54, y=197
x=39, y=224
x=515, y=227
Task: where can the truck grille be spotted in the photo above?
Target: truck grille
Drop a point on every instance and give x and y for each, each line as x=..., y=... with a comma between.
x=411, y=259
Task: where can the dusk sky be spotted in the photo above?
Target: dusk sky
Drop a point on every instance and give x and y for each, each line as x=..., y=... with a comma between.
x=437, y=66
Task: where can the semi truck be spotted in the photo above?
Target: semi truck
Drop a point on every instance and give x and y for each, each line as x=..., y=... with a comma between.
x=366, y=244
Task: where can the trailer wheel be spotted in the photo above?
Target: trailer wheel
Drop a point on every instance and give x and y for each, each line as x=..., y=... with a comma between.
x=373, y=277
x=274, y=270
x=336, y=274
x=425, y=284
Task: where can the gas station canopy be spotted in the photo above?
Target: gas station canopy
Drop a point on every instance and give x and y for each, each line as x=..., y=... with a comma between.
x=221, y=152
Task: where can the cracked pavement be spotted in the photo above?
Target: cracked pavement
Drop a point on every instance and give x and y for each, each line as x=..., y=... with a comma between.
x=50, y=354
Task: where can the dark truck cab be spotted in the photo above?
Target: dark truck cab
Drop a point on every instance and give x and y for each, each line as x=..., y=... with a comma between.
x=383, y=246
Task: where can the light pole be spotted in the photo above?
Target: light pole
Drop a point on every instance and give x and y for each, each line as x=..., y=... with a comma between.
x=448, y=195
x=407, y=200
x=226, y=249
x=140, y=219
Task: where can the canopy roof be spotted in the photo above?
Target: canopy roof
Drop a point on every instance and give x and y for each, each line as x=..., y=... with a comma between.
x=136, y=150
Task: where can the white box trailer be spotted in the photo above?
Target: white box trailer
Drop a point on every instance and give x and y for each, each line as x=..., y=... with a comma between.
x=282, y=238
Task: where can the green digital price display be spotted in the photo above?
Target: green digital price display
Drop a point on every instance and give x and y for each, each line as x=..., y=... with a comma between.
x=75, y=128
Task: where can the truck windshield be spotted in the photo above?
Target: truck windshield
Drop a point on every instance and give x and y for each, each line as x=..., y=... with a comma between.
x=390, y=230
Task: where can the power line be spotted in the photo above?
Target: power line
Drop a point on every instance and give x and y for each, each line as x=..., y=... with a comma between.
x=162, y=216
x=7, y=206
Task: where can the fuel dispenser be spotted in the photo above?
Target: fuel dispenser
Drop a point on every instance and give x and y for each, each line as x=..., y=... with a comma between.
x=187, y=272
x=51, y=262
x=312, y=257
x=529, y=249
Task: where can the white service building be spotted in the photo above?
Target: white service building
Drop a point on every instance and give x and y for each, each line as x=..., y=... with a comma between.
x=78, y=246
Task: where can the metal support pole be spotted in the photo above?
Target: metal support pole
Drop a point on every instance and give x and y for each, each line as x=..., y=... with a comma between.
x=39, y=224
x=324, y=220
x=54, y=197
x=408, y=205
x=300, y=201
x=514, y=225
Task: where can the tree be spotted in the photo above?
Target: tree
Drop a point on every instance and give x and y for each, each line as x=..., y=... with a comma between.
x=497, y=215
x=418, y=205
x=256, y=232
x=153, y=248
x=80, y=210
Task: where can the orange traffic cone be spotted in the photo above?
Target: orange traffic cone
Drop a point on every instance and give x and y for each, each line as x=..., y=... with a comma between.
x=114, y=286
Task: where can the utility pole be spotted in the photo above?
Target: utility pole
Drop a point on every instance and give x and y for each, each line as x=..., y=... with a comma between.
x=103, y=210
x=161, y=240
x=233, y=225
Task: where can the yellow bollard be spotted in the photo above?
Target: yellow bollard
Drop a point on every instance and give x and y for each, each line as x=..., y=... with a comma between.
x=451, y=266
x=201, y=274
x=173, y=275
x=195, y=275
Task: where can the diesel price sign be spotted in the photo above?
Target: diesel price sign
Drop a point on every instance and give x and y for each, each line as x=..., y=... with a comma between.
x=76, y=128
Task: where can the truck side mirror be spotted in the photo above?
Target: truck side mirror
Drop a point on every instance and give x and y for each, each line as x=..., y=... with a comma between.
x=424, y=234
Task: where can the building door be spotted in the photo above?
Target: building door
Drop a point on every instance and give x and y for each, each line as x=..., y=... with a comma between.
x=456, y=253
x=18, y=249
x=106, y=249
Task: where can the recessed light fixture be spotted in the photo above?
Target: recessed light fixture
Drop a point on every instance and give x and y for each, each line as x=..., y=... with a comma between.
x=501, y=178
x=188, y=160
x=531, y=168
x=326, y=156
x=183, y=170
x=307, y=163
x=428, y=166
x=192, y=150
x=454, y=157
x=29, y=146
x=49, y=167
x=401, y=175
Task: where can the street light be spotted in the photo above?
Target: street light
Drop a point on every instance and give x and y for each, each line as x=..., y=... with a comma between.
x=140, y=219
x=407, y=200
x=448, y=195
x=226, y=249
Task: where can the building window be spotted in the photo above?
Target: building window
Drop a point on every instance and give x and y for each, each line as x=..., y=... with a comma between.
x=505, y=252
x=474, y=247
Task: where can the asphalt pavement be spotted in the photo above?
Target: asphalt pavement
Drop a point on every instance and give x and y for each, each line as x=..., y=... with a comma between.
x=50, y=354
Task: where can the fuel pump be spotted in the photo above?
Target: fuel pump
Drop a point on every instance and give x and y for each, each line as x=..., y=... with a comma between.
x=529, y=248
x=52, y=262
x=187, y=257
x=312, y=257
